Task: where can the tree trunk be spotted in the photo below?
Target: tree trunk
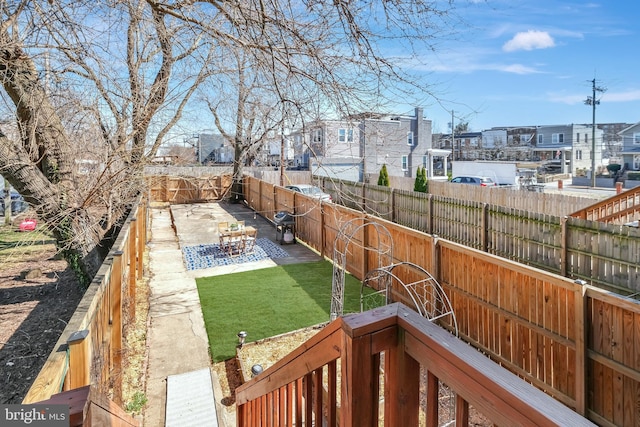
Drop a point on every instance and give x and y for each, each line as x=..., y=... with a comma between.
x=7, y=202
x=39, y=165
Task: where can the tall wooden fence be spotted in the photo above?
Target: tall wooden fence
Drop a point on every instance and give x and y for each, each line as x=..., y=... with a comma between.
x=373, y=198
x=385, y=201
x=604, y=255
x=579, y=343
x=188, y=189
x=89, y=351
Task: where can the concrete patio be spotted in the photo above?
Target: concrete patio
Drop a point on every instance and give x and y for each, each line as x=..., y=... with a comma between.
x=177, y=339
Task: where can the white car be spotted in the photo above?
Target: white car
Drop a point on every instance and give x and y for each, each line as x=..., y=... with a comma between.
x=310, y=190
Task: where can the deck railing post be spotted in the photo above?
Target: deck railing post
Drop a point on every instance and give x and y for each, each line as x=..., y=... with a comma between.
x=79, y=359
x=433, y=389
x=359, y=407
x=115, y=320
x=402, y=387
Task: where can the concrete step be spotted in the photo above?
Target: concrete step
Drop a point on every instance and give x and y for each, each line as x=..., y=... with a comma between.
x=190, y=400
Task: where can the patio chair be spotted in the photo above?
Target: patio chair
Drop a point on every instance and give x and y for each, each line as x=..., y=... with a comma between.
x=223, y=227
x=250, y=241
x=232, y=244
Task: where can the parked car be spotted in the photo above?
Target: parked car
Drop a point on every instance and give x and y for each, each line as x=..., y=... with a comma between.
x=483, y=181
x=310, y=190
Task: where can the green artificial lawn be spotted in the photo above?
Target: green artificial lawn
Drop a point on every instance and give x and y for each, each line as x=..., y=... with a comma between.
x=268, y=302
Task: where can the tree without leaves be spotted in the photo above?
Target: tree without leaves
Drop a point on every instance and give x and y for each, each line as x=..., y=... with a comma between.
x=39, y=159
x=126, y=70
x=310, y=57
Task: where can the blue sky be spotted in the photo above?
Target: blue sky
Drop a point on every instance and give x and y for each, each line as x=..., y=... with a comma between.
x=531, y=62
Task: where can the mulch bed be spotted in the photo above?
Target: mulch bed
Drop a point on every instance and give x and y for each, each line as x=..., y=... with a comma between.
x=33, y=313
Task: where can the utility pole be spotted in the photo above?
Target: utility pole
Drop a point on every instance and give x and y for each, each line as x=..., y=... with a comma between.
x=591, y=100
x=453, y=139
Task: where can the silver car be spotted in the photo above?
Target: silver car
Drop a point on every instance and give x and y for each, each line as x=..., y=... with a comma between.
x=310, y=190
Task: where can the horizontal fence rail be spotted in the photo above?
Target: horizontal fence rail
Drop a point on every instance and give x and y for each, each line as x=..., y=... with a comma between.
x=560, y=334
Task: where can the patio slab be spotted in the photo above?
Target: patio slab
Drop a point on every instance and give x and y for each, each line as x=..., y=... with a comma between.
x=177, y=338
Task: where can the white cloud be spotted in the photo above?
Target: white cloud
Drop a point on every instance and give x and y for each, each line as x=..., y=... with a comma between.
x=608, y=97
x=518, y=69
x=632, y=95
x=529, y=40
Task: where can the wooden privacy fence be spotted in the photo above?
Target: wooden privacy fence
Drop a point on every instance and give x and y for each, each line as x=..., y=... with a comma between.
x=375, y=199
x=604, y=255
x=89, y=351
x=187, y=189
x=339, y=377
x=579, y=343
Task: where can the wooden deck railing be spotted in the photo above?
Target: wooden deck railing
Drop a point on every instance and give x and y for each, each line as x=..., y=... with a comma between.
x=619, y=209
x=335, y=378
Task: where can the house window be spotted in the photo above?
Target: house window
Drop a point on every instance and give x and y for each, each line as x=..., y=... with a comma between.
x=577, y=137
x=636, y=137
x=405, y=163
x=557, y=138
x=425, y=159
x=540, y=138
x=410, y=138
x=586, y=138
x=317, y=135
x=345, y=135
x=578, y=154
x=636, y=162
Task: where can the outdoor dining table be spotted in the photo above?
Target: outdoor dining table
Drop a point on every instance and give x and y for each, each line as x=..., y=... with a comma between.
x=237, y=240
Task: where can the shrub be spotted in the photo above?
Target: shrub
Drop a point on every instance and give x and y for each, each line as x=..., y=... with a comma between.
x=421, y=180
x=383, y=178
x=613, y=168
x=633, y=176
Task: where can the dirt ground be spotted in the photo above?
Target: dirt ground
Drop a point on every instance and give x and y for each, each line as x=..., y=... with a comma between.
x=33, y=313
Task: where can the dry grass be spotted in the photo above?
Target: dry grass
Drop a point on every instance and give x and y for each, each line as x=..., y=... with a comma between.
x=265, y=352
x=135, y=350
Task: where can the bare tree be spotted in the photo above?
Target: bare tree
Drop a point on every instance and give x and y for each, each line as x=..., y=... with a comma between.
x=124, y=71
x=116, y=76
x=314, y=59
